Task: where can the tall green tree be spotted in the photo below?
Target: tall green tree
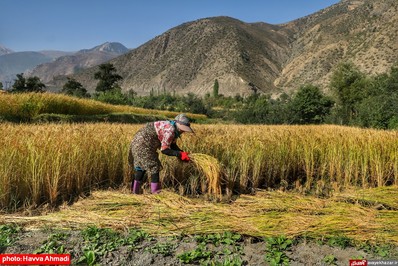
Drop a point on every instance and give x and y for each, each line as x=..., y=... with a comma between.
x=34, y=84
x=216, y=87
x=310, y=106
x=379, y=112
x=19, y=84
x=31, y=84
x=75, y=88
x=279, y=112
x=255, y=111
x=194, y=104
x=349, y=85
x=392, y=84
x=1, y=85
x=379, y=108
x=107, y=78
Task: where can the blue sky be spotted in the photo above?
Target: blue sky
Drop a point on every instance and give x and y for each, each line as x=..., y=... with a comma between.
x=71, y=25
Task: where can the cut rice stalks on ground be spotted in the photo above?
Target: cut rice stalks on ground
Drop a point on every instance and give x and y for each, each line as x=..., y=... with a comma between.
x=211, y=169
x=268, y=213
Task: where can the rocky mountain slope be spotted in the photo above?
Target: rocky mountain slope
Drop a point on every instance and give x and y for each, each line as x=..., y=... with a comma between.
x=4, y=50
x=190, y=57
x=269, y=58
x=361, y=31
x=70, y=64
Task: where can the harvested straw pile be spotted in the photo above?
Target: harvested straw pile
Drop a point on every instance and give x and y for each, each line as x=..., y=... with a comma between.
x=211, y=169
x=268, y=213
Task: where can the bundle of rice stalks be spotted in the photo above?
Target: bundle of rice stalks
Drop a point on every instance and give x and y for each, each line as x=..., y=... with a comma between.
x=211, y=169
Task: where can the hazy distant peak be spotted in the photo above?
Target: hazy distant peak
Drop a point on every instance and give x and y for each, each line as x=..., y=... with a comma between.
x=108, y=47
x=5, y=50
x=54, y=54
x=70, y=64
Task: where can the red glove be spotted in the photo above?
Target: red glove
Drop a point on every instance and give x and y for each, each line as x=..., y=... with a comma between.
x=184, y=156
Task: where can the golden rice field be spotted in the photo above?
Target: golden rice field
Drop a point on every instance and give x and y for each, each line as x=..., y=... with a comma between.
x=29, y=105
x=55, y=163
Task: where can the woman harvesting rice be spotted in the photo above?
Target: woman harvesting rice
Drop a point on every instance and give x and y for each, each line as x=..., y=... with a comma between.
x=143, y=154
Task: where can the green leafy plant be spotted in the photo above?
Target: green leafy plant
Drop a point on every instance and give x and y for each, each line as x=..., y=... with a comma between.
x=52, y=244
x=341, y=242
x=165, y=249
x=135, y=237
x=357, y=258
x=228, y=238
x=234, y=261
x=7, y=232
x=276, y=247
x=229, y=261
x=89, y=257
x=98, y=242
x=381, y=250
x=225, y=251
x=199, y=254
x=330, y=260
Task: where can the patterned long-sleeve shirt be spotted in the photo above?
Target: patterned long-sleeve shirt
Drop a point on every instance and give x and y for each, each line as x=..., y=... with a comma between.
x=153, y=136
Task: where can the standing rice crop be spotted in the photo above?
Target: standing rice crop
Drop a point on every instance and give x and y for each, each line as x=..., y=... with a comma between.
x=53, y=163
x=309, y=158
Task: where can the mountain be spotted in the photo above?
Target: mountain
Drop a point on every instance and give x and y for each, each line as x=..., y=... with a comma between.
x=108, y=47
x=364, y=32
x=5, y=50
x=258, y=56
x=18, y=62
x=70, y=64
x=13, y=63
x=190, y=57
x=55, y=54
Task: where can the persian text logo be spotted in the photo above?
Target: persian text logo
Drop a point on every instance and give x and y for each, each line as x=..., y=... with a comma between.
x=358, y=263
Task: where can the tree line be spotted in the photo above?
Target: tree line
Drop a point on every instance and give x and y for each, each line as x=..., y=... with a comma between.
x=355, y=99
